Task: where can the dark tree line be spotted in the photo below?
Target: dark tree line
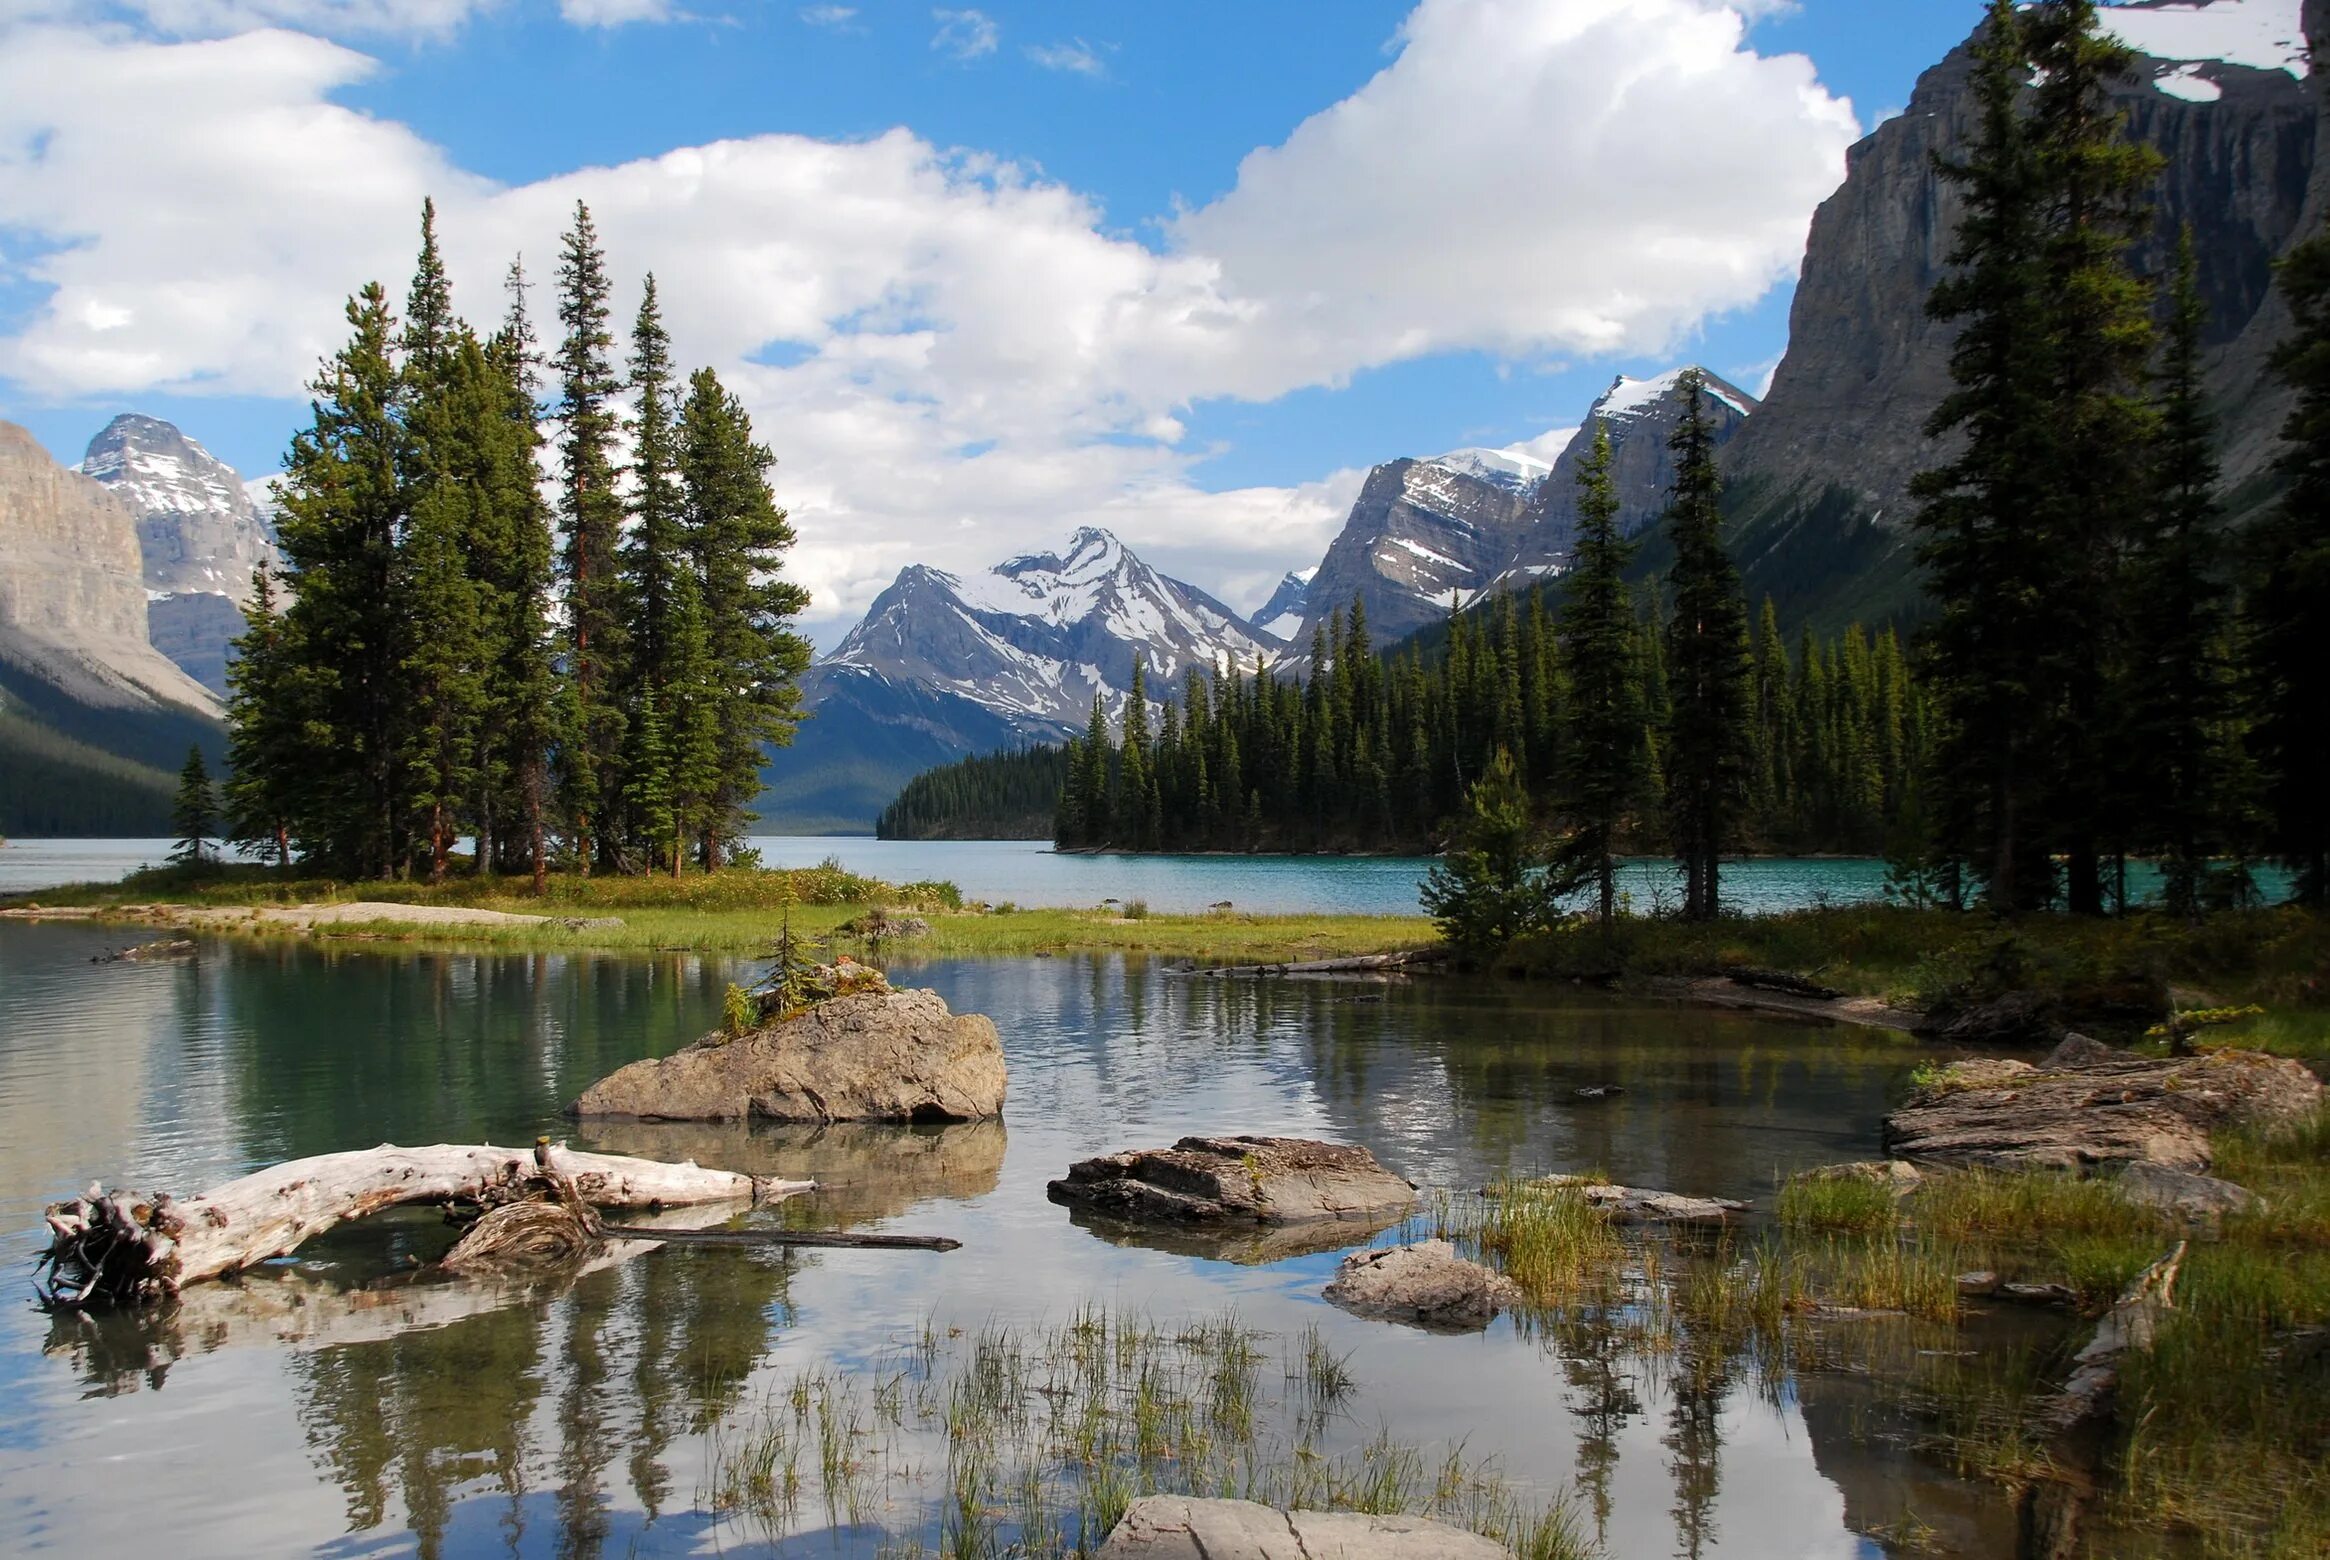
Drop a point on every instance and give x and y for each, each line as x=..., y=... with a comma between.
x=2108, y=681
x=1001, y=796
x=449, y=651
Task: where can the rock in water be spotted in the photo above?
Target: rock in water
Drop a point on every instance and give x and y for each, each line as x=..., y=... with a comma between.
x=1181, y=1527
x=2198, y=1201
x=1237, y=1180
x=878, y=1056
x=2009, y=1115
x=1427, y=1283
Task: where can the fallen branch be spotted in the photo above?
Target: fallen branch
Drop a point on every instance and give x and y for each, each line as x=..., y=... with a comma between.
x=109, y=1248
x=1783, y=981
x=841, y=1238
x=2131, y=1324
x=1348, y=964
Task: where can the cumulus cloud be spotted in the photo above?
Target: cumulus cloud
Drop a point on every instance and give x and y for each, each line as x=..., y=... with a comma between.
x=837, y=17
x=955, y=357
x=1075, y=56
x=964, y=34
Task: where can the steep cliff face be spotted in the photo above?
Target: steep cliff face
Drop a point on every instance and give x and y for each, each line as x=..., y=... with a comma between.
x=1420, y=532
x=1641, y=415
x=1820, y=476
x=200, y=537
x=72, y=613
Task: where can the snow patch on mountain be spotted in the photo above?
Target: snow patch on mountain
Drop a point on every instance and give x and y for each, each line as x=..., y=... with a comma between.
x=1281, y=616
x=1627, y=399
x=2259, y=34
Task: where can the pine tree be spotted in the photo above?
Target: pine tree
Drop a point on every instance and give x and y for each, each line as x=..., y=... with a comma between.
x=1979, y=535
x=1603, y=745
x=2099, y=425
x=737, y=537
x=531, y=702
x=591, y=524
x=194, y=814
x=2286, y=671
x=343, y=511
x=2178, y=693
x=264, y=755
x=1494, y=884
x=1707, y=749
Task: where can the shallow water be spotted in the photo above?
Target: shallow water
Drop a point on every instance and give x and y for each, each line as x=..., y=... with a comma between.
x=278, y=1419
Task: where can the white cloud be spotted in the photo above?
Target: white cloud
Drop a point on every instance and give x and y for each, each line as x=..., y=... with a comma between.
x=973, y=360
x=614, y=13
x=1076, y=57
x=837, y=17
x=964, y=34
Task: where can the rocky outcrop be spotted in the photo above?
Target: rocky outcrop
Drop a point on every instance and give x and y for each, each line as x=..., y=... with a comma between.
x=879, y=1056
x=2010, y=1115
x=1427, y=1284
x=2200, y=1202
x=1419, y=532
x=72, y=611
x=1181, y=1527
x=1819, y=478
x=1237, y=1180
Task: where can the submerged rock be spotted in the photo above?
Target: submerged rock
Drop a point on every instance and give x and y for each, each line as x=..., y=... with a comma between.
x=1237, y=1180
x=1247, y=1245
x=2009, y=1115
x=1427, y=1284
x=2201, y=1201
x=1181, y=1527
x=1636, y=1204
x=875, y=1056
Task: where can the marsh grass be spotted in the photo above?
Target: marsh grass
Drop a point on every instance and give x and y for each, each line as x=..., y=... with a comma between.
x=1546, y=1237
x=1986, y=1205
x=1031, y=1441
x=1838, y=1203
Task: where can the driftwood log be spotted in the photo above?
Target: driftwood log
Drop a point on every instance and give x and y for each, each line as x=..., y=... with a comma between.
x=124, y=1247
x=1352, y=964
x=2130, y=1325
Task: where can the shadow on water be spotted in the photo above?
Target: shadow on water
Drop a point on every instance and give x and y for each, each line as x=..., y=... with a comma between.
x=315, y=1407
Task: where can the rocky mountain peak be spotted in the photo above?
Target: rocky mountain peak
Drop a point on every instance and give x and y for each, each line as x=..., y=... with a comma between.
x=1282, y=615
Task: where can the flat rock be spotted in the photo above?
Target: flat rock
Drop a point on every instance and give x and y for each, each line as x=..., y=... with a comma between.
x=1897, y=1175
x=2001, y=1114
x=1640, y=1205
x=1236, y=1180
x=1179, y=1527
x=876, y=1056
x=2198, y=1200
x=1427, y=1284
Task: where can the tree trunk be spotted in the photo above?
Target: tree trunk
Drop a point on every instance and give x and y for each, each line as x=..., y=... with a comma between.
x=123, y=1246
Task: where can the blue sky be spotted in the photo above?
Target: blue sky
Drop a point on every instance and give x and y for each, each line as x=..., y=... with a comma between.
x=975, y=360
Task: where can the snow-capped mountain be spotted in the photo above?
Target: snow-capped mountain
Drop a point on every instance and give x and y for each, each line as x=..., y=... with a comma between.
x=944, y=665
x=200, y=531
x=1281, y=616
x=1516, y=467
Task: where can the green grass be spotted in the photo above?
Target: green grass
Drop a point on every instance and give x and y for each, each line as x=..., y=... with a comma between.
x=1841, y=1203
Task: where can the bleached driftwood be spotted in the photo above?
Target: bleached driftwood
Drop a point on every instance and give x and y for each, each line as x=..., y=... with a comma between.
x=2131, y=1324
x=126, y=1247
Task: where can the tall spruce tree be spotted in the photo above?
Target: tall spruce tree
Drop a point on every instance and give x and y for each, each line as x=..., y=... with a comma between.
x=591, y=526
x=2095, y=183
x=738, y=537
x=1707, y=747
x=194, y=813
x=531, y=702
x=265, y=756
x=1988, y=643
x=2177, y=698
x=2287, y=673
x=342, y=516
x=1602, y=749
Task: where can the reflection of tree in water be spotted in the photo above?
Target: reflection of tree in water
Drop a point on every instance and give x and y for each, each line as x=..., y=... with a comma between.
x=1597, y=1364
x=633, y=1357
x=1694, y=1440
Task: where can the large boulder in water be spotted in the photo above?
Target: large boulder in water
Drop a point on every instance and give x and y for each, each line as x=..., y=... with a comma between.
x=2091, y=1111
x=1184, y=1527
x=876, y=1056
x=1427, y=1284
x=1237, y=1180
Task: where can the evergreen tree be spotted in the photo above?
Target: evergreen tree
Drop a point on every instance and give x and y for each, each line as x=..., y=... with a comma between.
x=591, y=524
x=530, y=702
x=1603, y=746
x=264, y=751
x=1979, y=535
x=2095, y=184
x=1494, y=884
x=343, y=513
x=737, y=537
x=2178, y=694
x=1707, y=749
x=194, y=814
x=2287, y=673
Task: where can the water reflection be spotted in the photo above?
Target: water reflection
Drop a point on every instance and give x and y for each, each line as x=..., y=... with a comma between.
x=580, y=1416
